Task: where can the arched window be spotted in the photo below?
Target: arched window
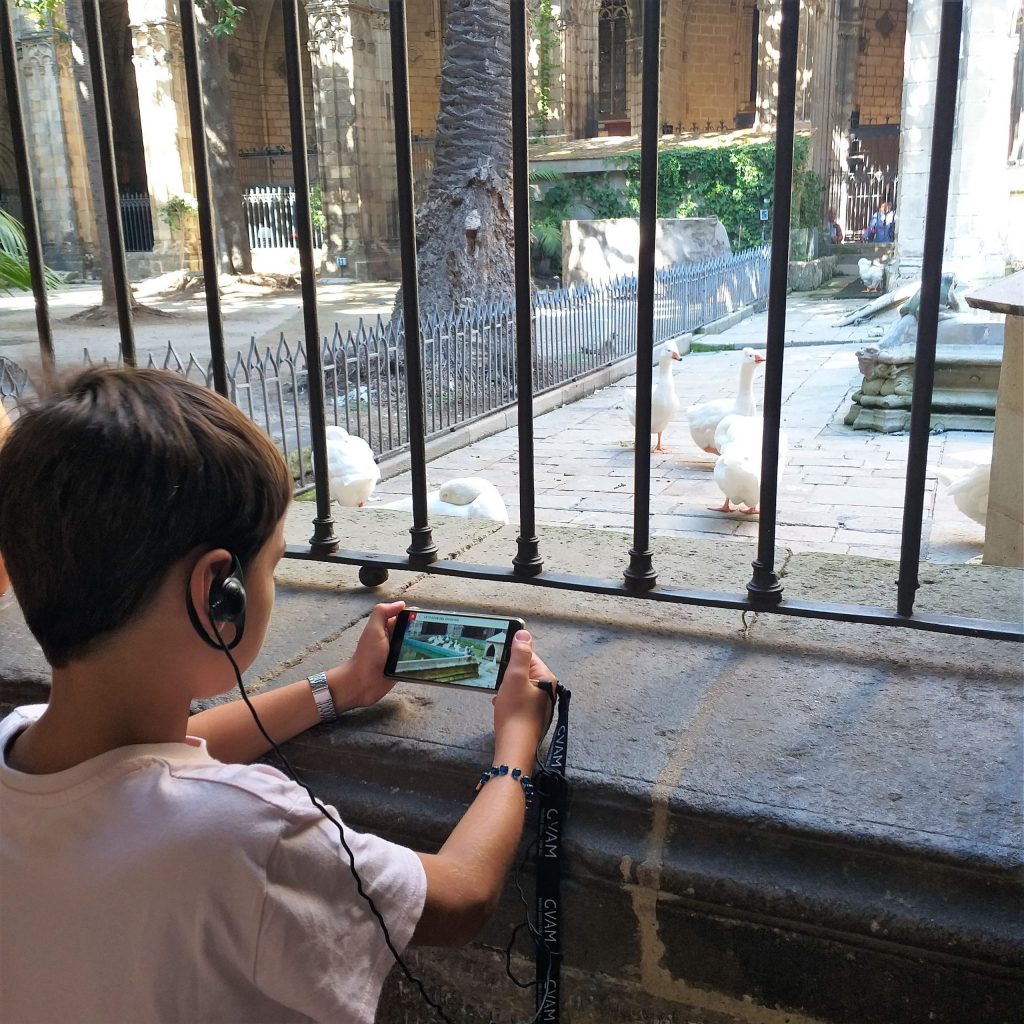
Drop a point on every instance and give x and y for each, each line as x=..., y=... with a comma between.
x=613, y=22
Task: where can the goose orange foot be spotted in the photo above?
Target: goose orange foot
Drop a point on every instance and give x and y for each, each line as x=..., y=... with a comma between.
x=720, y=508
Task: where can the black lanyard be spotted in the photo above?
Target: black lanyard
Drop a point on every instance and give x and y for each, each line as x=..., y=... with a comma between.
x=551, y=792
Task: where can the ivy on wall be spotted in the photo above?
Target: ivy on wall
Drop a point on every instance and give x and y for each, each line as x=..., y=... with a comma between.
x=546, y=33
x=731, y=183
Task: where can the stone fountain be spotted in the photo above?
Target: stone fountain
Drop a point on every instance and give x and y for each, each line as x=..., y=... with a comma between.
x=968, y=355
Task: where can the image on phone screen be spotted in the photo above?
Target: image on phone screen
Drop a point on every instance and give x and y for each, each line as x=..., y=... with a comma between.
x=451, y=649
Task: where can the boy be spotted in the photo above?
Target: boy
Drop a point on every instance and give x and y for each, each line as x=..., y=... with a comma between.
x=146, y=872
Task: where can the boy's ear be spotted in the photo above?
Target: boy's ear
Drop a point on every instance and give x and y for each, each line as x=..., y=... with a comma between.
x=215, y=599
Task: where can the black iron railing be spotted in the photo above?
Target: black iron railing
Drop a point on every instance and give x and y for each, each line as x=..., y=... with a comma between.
x=764, y=591
x=270, y=217
x=137, y=221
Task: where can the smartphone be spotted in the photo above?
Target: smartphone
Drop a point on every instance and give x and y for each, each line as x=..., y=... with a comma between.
x=451, y=649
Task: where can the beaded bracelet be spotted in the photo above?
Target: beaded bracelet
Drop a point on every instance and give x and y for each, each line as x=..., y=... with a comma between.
x=502, y=769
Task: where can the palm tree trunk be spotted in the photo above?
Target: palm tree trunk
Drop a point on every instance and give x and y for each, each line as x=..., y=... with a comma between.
x=464, y=224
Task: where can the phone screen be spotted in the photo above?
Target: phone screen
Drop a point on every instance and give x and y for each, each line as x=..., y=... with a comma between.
x=451, y=649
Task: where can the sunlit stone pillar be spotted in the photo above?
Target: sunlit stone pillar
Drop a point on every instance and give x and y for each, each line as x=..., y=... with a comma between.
x=163, y=107
x=979, y=186
x=40, y=96
x=580, y=61
x=351, y=62
x=977, y=214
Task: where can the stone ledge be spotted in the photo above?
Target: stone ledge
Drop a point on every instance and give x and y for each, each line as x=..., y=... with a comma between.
x=806, y=821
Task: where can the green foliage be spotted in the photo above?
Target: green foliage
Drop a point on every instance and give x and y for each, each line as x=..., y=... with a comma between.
x=808, y=199
x=567, y=197
x=316, y=208
x=545, y=30
x=731, y=183
x=177, y=211
x=42, y=10
x=14, y=269
x=224, y=13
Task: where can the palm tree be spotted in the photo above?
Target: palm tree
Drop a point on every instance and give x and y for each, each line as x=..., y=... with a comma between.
x=464, y=224
x=14, y=270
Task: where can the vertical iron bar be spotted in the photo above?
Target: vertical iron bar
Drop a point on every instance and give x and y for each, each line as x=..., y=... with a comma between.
x=111, y=201
x=641, y=575
x=22, y=165
x=928, y=314
x=204, y=195
x=422, y=550
x=527, y=561
x=764, y=585
x=323, y=539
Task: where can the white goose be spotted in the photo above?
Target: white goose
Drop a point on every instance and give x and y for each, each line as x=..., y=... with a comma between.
x=969, y=489
x=738, y=469
x=705, y=416
x=351, y=469
x=471, y=497
x=664, y=400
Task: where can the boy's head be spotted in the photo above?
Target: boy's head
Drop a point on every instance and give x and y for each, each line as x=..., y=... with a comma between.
x=110, y=479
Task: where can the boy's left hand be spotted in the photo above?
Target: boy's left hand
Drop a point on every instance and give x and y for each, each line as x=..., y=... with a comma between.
x=361, y=681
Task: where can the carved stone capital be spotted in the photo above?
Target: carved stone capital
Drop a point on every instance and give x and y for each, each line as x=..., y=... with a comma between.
x=36, y=55
x=330, y=21
x=156, y=42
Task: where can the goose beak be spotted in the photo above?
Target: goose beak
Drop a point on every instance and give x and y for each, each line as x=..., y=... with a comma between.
x=758, y=358
x=676, y=355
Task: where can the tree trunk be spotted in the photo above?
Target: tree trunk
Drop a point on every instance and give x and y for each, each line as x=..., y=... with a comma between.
x=232, y=236
x=464, y=224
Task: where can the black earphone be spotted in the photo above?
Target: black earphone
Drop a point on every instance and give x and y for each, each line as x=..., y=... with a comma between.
x=226, y=603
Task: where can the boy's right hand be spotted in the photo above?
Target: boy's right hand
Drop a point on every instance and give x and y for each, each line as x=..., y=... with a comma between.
x=522, y=710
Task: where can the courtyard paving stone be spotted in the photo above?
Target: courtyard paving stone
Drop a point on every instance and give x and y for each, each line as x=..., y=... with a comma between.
x=841, y=490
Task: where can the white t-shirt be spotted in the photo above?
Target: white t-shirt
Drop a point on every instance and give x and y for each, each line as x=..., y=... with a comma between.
x=154, y=883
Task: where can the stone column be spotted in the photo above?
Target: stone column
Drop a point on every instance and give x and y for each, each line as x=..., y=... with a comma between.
x=580, y=61
x=977, y=214
x=41, y=100
x=351, y=61
x=163, y=106
x=979, y=186
x=815, y=71
x=78, y=160
x=767, y=104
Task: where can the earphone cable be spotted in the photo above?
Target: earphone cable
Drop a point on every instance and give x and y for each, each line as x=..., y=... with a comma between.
x=323, y=809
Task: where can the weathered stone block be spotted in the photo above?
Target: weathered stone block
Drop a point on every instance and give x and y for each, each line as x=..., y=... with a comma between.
x=595, y=250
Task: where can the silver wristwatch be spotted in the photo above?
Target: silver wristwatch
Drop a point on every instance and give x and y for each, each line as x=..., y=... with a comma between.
x=322, y=696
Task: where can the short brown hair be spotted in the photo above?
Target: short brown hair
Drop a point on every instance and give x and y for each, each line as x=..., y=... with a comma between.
x=111, y=477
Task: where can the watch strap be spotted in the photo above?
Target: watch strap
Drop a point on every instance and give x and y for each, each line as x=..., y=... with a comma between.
x=322, y=696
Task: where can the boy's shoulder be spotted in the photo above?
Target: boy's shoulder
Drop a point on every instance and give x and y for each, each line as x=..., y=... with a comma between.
x=189, y=773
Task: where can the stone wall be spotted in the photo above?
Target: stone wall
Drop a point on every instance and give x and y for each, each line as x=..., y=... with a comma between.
x=879, y=85
x=714, y=56
x=597, y=250
x=259, y=86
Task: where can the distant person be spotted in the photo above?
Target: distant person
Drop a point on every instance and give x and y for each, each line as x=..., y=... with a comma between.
x=882, y=226
x=835, y=232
